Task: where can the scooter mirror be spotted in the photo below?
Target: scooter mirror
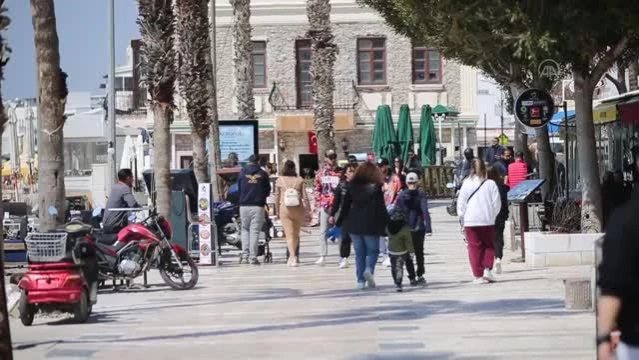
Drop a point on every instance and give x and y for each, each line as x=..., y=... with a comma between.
x=450, y=186
x=97, y=212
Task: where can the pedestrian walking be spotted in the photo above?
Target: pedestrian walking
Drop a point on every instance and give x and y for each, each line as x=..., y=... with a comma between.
x=400, y=243
x=364, y=215
x=326, y=181
x=338, y=202
x=478, y=205
x=517, y=171
x=618, y=305
x=392, y=187
x=500, y=221
x=291, y=206
x=414, y=203
x=254, y=187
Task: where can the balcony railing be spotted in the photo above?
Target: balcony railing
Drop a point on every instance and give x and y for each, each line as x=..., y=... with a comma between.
x=296, y=96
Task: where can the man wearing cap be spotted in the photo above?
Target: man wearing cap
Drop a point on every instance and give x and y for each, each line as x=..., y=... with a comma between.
x=326, y=181
x=254, y=186
x=414, y=203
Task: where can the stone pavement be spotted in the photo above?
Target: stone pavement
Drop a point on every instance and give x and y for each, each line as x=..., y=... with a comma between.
x=310, y=312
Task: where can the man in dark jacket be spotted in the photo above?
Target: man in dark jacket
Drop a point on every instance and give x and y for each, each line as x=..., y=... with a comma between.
x=413, y=165
x=618, y=306
x=414, y=203
x=254, y=186
x=494, y=152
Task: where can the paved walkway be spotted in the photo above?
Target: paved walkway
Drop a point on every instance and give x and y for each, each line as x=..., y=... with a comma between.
x=276, y=312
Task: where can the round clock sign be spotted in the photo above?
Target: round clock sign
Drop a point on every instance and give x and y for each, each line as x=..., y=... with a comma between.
x=534, y=108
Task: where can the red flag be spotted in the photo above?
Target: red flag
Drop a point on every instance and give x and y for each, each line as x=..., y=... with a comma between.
x=312, y=142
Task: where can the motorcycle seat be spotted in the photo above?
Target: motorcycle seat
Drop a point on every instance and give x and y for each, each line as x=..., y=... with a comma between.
x=77, y=228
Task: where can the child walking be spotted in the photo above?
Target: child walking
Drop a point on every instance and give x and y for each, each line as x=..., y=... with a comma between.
x=400, y=244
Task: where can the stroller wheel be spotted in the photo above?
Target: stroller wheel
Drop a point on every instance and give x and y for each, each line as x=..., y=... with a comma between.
x=268, y=258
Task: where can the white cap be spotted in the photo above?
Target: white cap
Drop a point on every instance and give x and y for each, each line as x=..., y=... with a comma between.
x=412, y=178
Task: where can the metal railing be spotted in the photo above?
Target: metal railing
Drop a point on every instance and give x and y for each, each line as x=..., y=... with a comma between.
x=299, y=96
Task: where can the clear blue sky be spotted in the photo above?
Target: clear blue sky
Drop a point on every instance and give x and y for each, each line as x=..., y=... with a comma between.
x=83, y=33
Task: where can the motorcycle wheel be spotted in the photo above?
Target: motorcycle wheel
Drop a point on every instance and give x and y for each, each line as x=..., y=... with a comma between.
x=27, y=311
x=170, y=277
x=82, y=309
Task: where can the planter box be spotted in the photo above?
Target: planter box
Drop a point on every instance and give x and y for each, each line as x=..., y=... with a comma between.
x=545, y=249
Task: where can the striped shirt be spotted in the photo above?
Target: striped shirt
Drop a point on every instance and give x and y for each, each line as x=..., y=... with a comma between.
x=517, y=172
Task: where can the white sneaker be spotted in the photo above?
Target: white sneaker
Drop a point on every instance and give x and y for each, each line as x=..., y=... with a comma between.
x=344, y=263
x=488, y=276
x=386, y=262
x=370, y=279
x=497, y=266
x=361, y=285
x=320, y=261
x=480, y=281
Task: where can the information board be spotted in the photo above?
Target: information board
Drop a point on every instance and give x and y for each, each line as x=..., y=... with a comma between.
x=204, y=224
x=238, y=137
x=534, y=108
x=524, y=189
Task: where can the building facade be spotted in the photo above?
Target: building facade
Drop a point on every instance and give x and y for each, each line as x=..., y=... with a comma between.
x=374, y=66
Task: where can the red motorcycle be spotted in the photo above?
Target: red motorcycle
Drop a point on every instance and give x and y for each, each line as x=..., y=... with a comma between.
x=56, y=279
x=139, y=247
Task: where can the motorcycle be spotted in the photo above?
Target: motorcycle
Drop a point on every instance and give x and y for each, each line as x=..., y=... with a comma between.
x=139, y=247
x=227, y=217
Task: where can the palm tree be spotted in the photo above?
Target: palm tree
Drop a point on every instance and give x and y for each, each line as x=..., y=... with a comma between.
x=156, y=22
x=5, y=334
x=52, y=94
x=194, y=75
x=243, y=61
x=324, y=53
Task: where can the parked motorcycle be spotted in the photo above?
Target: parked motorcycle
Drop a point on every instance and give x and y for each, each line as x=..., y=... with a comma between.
x=227, y=221
x=139, y=247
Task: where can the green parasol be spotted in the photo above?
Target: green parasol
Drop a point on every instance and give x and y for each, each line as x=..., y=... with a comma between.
x=384, y=137
x=404, y=133
x=427, y=138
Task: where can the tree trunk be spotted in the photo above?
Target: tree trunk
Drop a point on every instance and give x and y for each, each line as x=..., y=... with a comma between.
x=324, y=52
x=52, y=97
x=546, y=163
x=243, y=61
x=162, y=115
x=200, y=157
x=633, y=72
x=586, y=146
x=214, y=131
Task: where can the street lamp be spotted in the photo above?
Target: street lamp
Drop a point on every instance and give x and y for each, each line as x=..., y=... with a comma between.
x=440, y=116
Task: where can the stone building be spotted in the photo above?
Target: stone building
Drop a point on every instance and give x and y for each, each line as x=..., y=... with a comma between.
x=374, y=66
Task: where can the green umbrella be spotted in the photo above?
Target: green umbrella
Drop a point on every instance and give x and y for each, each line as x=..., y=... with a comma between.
x=427, y=138
x=404, y=133
x=384, y=137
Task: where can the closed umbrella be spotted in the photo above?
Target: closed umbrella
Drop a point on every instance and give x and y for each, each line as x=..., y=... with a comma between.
x=427, y=138
x=14, y=152
x=404, y=133
x=384, y=136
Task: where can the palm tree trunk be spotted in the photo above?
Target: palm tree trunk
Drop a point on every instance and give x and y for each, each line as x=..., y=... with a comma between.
x=324, y=52
x=214, y=131
x=633, y=72
x=586, y=146
x=5, y=331
x=157, y=24
x=243, y=61
x=52, y=95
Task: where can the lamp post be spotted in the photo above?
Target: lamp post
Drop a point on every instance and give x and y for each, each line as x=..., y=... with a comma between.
x=440, y=117
x=111, y=97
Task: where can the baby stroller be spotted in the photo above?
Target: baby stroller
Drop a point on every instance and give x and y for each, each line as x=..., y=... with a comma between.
x=263, y=248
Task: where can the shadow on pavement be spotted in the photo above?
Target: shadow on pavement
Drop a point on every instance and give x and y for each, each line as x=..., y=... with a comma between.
x=416, y=356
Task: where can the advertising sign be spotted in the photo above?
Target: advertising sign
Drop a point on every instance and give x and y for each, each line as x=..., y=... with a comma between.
x=238, y=138
x=207, y=250
x=534, y=108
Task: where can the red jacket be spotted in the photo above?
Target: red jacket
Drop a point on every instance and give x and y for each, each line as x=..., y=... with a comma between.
x=517, y=172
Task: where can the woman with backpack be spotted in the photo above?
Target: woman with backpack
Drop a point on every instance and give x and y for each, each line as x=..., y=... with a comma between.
x=414, y=203
x=478, y=205
x=291, y=205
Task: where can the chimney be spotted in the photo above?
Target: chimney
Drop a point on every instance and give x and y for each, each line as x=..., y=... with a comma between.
x=138, y=95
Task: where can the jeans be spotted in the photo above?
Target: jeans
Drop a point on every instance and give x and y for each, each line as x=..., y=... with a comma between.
x=345, y=246
x=418, y=244
x=366, y=253
x=627, y=352
x=499, y=239
x=252, y=219
x=323, y=228
x=383, y=246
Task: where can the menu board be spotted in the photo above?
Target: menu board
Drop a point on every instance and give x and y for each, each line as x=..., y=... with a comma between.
x=524, y=189
x=207, y=251
x=239, y=138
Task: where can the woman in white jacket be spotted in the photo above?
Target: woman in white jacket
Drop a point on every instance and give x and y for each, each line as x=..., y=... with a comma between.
x=478, y=205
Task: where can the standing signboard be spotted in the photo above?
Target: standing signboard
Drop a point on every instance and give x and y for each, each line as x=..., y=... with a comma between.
x=207, y=247
x=534, y=108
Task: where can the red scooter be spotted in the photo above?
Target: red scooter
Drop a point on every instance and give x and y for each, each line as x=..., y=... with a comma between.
x=55, y=280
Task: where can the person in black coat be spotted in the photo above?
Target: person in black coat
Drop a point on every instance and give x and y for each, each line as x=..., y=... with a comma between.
x=338, y=201
x=500, y=221
x=365, y=216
